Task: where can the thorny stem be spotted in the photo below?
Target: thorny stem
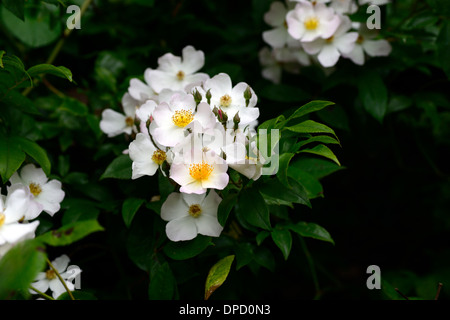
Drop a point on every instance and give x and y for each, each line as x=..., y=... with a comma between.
x=61, y=279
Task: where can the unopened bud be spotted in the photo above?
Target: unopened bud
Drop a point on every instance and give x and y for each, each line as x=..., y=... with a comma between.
x=247, y=95
x=236, y=118
x=215, y=111
x=223, y=117
x=208, y=96
x=197, y=96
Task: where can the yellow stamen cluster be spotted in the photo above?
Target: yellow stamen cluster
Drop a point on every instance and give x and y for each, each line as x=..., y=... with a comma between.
x=311, y=23
x=35, y=189
x=195, y=210
x=182, y=118
x=2, y=219
x=180, y=75
x=159, y=157
x=200, y=171
x=225, y=100
x=50, y=274
x=129, y=121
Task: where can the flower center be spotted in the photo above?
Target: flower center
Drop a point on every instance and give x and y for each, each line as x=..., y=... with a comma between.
x=50, y=274
x=225, y=101
x=200, y=171
x=360, y=39
x=159, y=157
x=311, y=23
x=180, y=75
x=35, y=189
x=195, y=210
x=182, y=118
x=129, y=121
x=2, y=219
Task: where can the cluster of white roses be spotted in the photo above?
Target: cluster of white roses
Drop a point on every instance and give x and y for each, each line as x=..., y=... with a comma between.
x=193, y=128
x=320, y=31
x=29, y=194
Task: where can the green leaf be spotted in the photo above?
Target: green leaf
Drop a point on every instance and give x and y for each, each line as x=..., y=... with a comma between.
x=2, y=53
x=37, y=29
x=283, y=165
x=311, y=230
x=310, y=107
x=129, y=208
x=183, y=250
x=36, y=152
x=264, y=257
x=41, y=69
x=14, y=99
x=254, y=208
x=321, y=139
x=244, y=254
x=316, y=167
x=312, y=185
x=78, y=295
x=311, y=126
x=16, y=7
x=324, y=151
x=119, y=168
x=225, y=206
x=19, y=268
x=162, y=282
x=217, y=275
x=70, y=233
x=283, y=239
x=11, y=157
x=373, y=94
x=274, y=190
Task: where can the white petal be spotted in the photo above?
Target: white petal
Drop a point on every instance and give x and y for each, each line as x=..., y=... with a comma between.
x=180, y=174
x=13, y=232
x=193, y=60
x=208, y=225
x=16, y=204
x=41, y=285
x=140, y=91
x=51, y=196
x=377, y=48
x=30, y=173
x=217, y=180
x=346, y=42
x=61, y=263
x=168, y=63
x=174, y=207
x=220, y=85
x=112, y=123
x=356, y=55
x=276, y=38
x=195, y=186
x=181, y=229
x=329, y=56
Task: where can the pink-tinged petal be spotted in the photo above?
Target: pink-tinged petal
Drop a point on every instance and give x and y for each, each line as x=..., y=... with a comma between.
x=174, y=207
x=180, y=174
x=329, y=56
x=248, y=115
x=205, y=116
x=193, y=60
x=182, y=229
x=140, y=91
x=296, y=28
x=314, y=47
x=208, y=225
x=195, y=186
x=162, y=115
x=145, y=111
x=276, y=38
x=182, y=101
x=216, y=180
x=346, y=43
x=112, y=123
x=330, y=27
x=377, y=48
x=276, y=14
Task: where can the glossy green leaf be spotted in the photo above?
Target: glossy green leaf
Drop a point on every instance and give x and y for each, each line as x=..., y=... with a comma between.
x=16, y=7
x=443, y=51
x=275, y=192
x=317, y=167
x=217, y=275
x=324, y=151
x=70, y=233
x=311, y=230
x=129, y=208
x=11, y=157
x=183, y=250
x=19, y=268
x=312, y=185
x=373, y=94
x=162, y=284
x=225, y=207
x=311, y=126
x=283, y=239
x=254, y=208
x=41, y=69
x=284, y=160
x=119, y=168
x=36, y=152
x=310, y=107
